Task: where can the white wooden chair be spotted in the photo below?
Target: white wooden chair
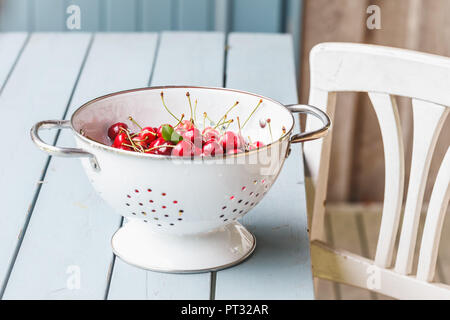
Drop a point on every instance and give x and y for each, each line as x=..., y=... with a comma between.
x=384, y=73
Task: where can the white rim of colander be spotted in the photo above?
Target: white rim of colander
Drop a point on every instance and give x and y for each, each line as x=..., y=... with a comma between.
x=169, y=157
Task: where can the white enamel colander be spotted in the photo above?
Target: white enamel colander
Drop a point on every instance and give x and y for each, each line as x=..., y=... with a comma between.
x=181, y=213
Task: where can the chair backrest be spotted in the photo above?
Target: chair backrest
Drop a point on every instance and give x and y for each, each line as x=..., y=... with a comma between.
x=384, y=73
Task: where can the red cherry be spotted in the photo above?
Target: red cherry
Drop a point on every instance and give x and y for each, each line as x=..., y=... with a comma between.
x=157, y=144
x=230, y=141
x=186, y=125
x=193, y=135
x=120, y=139
x=139, y=142
x=147, y=134
x=183, y=148
x=159, y=131
x=210, y=133
x=197, y=151
x=256, y=145
x=114, y=130
x=212, y=148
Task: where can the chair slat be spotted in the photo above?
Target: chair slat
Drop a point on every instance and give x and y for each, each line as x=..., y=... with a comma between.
x=428, y=121
x=387, y=112
x=434, y=222
x=317, y=156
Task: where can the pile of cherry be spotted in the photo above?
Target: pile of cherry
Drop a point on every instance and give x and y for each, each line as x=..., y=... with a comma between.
x=184, y=138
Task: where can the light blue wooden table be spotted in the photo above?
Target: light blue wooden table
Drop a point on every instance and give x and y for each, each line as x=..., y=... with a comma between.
x=55, y=231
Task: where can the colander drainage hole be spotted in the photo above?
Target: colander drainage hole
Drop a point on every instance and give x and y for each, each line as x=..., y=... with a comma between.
x=128, y=196
x=159, y=225
x=164, y=207
x=175, y=201
x=141, y=204
x=241, y=211
x=133, y=213
x=149, y=190
x=232, y=198
x=240, y=201
x=153, y=210
x=156, y=218
x=246, y=203
x=234, y=210
x=166, y=215
x=225, y=220
x=127, y=204
x=136, y=190
x=151, y=201
x=144, y=213
x=224, y=207
x=179, y=219
x=251, y=193
x=171, y=224
x=221, y=216
x=163, y=194
x=243, y=188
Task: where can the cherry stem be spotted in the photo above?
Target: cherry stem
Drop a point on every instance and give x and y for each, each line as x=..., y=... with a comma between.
x=188, y=95
x=158, y=147
x=195, y=111
x=131, y=140
x=132, y=120
x=164, y=104
x=204, y=119
x=270, y=129
x=206, y=115
x=239, y=127
x=251, y=114
x=225, y=123
x=240, y=133
x=225, y=115
x=219, y=123
x=182, y=116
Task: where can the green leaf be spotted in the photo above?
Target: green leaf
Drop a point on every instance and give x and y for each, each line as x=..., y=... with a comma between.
x=169, y=134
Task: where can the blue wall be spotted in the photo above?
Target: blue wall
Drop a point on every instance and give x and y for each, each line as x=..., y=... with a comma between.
x=155, y=15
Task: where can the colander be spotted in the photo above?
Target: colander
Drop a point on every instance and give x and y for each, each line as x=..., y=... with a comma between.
x=181, y=213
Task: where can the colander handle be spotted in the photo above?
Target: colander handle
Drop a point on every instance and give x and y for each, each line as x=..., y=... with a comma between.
x=311, y=135
x=60, y=151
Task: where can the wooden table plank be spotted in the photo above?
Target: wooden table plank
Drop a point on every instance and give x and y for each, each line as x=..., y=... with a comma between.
x=183, y=58
x=70, y=229
x=280, y=268
x=11, y=44
x=39, y=88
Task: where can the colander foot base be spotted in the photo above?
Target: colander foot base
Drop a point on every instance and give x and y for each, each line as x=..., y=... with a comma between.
x=136, y=244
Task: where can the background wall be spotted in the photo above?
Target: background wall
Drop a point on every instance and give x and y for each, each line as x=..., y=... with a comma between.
x=357, y=162
x=155, y=15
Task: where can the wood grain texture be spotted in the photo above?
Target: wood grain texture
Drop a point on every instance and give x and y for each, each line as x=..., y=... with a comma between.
x=280, y=267
x=47, y=77
x=357, y=164
x=178, y=62
x=71, y=227
x=11, y=45
x=178, y=59
x=334, y=21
